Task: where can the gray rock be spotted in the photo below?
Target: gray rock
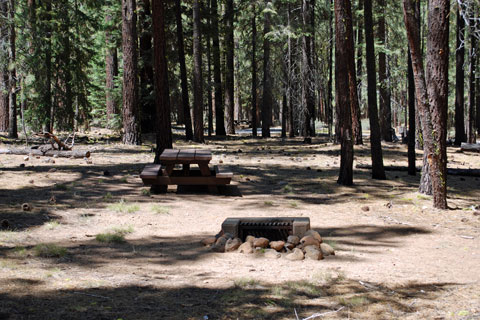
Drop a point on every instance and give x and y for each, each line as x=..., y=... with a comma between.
x=327, y=250
x=313, y=253
x=314, y=234
x=272, y=254
x=309, y=241
x=293, y=240
x=246, y=247
x=219, y=245
x=209, y=241
x=289, y=246
x=296, y=255
x=250, y=239
x=232, y=244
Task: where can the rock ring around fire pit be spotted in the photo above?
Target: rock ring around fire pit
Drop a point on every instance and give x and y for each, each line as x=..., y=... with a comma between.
x=290, y=237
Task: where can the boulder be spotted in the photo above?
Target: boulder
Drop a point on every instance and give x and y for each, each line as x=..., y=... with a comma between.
x=327, y=250
x=313, y=253
x=366, y=208
x=232, y=244
x=26, y=207
x=272, y=254
x=246, y=247
x=227, y=235
x=209, y=241
x=314, y=234
x=219, y=245
x=293, y=240
x=277, y=245
x=289, y=246
x=309, y=241
x=250, y=239
x=260, y=243
x=296, y=255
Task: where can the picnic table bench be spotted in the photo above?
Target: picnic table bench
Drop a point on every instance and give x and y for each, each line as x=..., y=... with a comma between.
x=160, y=176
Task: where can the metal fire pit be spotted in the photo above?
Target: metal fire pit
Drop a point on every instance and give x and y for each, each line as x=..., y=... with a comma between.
x=271, y=228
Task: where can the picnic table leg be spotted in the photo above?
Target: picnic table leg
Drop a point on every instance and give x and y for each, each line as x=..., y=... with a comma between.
x=205, y=170
x=161, y=188
x=186, y=169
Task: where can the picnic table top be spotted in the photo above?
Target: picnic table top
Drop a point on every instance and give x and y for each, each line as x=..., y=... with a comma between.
x=182, y=155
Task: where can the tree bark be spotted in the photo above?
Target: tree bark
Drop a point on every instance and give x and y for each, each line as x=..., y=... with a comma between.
x=411, y=119
x=344, y=57
x=229, y=68
x=131, y=127
x=378, y=171
x=148, y=112
x=197, y=75
x=47, y=92
x=4, y=85
x=460, y=83
x=330, y=76
x=308, y=90
x=254, y=71
x=162, y=97
x=111, y=70
x=267, y=98
x=385, y=111
x=209, y=69
x=187, y=118
x=217, y=74
x=471, y=136
x=12, y=122
x=432, y=99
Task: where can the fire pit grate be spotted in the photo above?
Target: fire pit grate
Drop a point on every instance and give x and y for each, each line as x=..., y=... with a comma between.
x=270, y=228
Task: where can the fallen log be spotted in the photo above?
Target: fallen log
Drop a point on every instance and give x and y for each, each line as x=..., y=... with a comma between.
x=47, y=153
x=474, y=147
x=450, y=171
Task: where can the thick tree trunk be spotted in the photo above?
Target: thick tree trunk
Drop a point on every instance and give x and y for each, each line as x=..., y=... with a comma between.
x=209, y=70
x=308, y=90
x=197, y=75
x=330, y=77
x=254, y=71
x=344, y=57
x=47, y=92
x=229, y=68
x=267, y=99
x=291, y=120
x=111, y=70
x=385, y=108
x=148, y=113
x=471, y=136
x=162, y=99
x=378, y=171
x=187, y=118
x=12, y=122
x=411, y=119
x=460, y=83
x=131, y=127
x=360, y=28
x=432, y=99
x=4, y=86
x=217, y=74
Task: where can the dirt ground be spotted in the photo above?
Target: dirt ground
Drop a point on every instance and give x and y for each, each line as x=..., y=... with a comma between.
x=399, y=260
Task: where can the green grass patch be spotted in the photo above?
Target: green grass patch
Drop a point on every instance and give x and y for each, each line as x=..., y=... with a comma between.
x=108, y=196
x=20, y=252
x=146, y=192
x=304, y=288
x=110, y=237
x=52, y=225
x=287, y=189
x=48, y=250
x=61, y=187
x=354, y=301
x=158, y=209
x=124, y=207
x=123, y=230
x=268, y=203
x=294, y=204
x=245, y=283
x=423, y=197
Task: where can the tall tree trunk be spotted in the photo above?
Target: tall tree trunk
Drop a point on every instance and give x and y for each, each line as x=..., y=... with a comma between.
x=471, y=92
x=385, y=111
x=330, y=76
x=412, y=170
x=146, y=70
x=197, y=75
x=344, y=57
x=209, y=69
x=4, y=86
x=291, y=120
x=460, y=83
x=284, y=115
x=229, y=68
x=432, y=99
x=356, y=112
x=360, y=28
x=12, y=123
x=187, y=118
x=47, y=92
x=131, y=127
x=267, y=99
x=378, y=170
x=217, y=74
x=254, y=71
x=162, y=99
x=308, y=91
x=111, y=70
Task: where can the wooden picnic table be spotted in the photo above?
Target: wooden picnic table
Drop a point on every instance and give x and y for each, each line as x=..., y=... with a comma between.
x=160, y=176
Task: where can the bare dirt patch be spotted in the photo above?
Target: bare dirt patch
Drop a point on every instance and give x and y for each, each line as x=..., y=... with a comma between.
x=401, y=259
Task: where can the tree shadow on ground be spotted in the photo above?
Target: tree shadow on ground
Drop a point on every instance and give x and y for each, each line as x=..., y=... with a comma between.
x=247, y=299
